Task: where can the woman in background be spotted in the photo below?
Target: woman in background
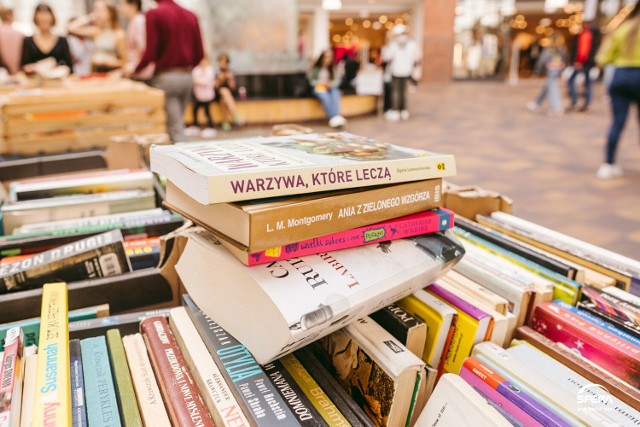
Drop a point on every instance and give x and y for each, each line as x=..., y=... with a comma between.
x=225, y=87
x=135, y=38
x=44, y=44
x=325, y=81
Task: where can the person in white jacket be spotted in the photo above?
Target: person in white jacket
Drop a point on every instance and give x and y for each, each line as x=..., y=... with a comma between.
x=402, y=54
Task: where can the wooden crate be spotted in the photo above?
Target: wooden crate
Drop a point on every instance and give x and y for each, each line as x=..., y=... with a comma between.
x=77, y=115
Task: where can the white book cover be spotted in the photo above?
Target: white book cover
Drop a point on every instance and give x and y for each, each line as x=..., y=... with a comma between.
x=244, y=169
x=278, y=307
x=28, y=385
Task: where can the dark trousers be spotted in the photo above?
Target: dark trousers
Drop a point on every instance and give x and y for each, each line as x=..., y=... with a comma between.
x=197, y=105
x=588, y=84
x=624, y=90
x=399, y=93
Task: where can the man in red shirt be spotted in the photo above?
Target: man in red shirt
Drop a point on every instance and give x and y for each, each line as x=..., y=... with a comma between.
x=174, y=46
x=582, y=58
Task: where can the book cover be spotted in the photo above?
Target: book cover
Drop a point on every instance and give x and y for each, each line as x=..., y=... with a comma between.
x=260, y=402
x=97, y=256
x=264, y=224
x=148, y=395
x=471, y=287
x=181, y=395
x=406, y=328
x=143, y=253
x=381, y=374
x=613, y=308
x=129, y=413
x=244, y=169
x=308, y=297
x=100, y=393
x=52, y=402
x=217, y=394
x=29, y=385
x=297, y=401
x=594, y=343
x=11, y=377
x=78, y=406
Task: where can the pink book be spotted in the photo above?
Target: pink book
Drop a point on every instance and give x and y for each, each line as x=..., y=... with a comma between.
x=407, y=226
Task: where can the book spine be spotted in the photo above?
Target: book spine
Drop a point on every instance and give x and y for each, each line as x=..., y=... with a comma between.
x=78, y=407
x=602, y=348
x=260, y=400
x=102, y=405
x=129, y=413
x=297, y=401
x=325, y=406
x=409, y=226
x=594, y=311
x=186, y=407
x=148, y=395
x=397, y=321
x=325, y=216
x=456, y=301
x=52, y=405
x=11, y=378
x=29, y=386
x=613, y=306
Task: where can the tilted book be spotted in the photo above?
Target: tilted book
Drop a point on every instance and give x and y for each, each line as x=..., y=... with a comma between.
x=11, y=377
x=264, y=224
x=29, y=385
x=295, y=301
x=245, y=169
x=612, y=308
x=406, y=328
x=129, y=412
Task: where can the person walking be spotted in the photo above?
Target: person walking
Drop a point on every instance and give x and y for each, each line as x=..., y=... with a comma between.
x=174, y=45
x=624, y=53
x=10, y=42
x=582, y=59
x=551, y=61
x=325, y=81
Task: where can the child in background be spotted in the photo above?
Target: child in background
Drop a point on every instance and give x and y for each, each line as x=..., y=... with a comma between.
x=203, y=96
x=552, y=61
x=226, y=87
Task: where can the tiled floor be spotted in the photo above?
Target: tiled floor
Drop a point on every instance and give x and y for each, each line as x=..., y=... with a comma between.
x=545, y=164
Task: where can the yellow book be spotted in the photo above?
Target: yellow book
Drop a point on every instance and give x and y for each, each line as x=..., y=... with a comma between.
x=52, y=405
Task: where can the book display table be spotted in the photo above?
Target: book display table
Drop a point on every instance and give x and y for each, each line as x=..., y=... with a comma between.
x=76, y=115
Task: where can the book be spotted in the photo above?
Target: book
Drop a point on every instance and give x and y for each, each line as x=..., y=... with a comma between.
x=127, y=323
x=181, y=395
x=381, y=373
x=78, y=406
x=29, y=385
x=440, y=319
x=152, y=409
x=244, y=169
x=143, y=253
x=102, y=404
x=11, y=377
x=98, y=256
x=52, y=400
x=217, y=395
x=125, y=395
x=17, y=214
x=258, y=398
x=604, y=349
x=456, y=403
x=618, y=388
x=308, y=297
x=406, y=328
x=612, y=308
x=291, y=392
x=516, y=402
x=463, y=283
x=264, y=224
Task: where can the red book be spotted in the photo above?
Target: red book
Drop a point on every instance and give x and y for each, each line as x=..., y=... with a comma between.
x=179, y=391
x=604, y=349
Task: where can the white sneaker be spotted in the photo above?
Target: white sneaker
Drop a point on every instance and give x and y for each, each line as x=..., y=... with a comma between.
x=337, y=121
x=392, y=115
x=404, y=115
x=208, y=133
x=609, y=171
x=192, y=131
x=533, y=106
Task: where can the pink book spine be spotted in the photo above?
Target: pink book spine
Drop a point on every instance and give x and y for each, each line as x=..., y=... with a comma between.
x=606, y=350
x=407, y=226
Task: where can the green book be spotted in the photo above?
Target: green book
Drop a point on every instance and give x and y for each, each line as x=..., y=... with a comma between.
x=129, y=413
x=102, y=405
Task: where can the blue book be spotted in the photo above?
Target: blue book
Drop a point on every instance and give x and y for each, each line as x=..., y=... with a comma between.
x=78, y=407
x=100, y=393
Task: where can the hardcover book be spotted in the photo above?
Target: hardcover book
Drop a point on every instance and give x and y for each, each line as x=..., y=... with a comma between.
x=245, y=169
x=264, y=224
x=296, y=301
x=78, y=407
x=406, y=328
x=129, y=413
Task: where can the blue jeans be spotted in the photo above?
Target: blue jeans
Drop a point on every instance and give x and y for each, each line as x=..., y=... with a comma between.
x=330, y=100
x=571, y=83
x=552, y=89
x=623, y=90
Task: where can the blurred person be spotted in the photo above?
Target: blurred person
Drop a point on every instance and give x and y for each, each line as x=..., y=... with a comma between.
x=103, y=26
x=44, y=43
x=551, y=61
x=582, y=59
x=624, y=53
x=226, y=88
x=10, y=42
x=81, y=49
x=325, y=81
x=174, y=45
x=135, y=38
x=203, y=96
x=401, y=54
